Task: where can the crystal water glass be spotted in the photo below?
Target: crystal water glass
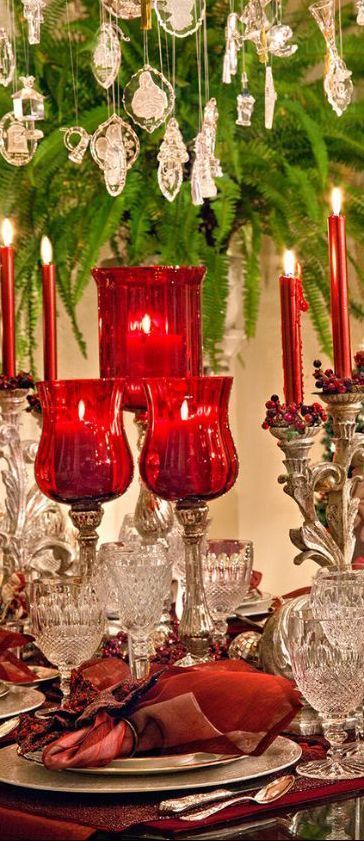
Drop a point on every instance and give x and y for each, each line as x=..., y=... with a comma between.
x=338, y=598
x=142, y=579
x=227, y=568
x=330, y=676
x=68, y=623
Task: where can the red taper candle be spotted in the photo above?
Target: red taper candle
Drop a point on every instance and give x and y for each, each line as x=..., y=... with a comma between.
x=339, y=290
x=49, y=311
x=8, y=300
x=292, y=303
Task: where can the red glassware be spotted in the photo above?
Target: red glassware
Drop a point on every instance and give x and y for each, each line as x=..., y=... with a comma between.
x=83, y=455
x=189, y=452
x=149, y=324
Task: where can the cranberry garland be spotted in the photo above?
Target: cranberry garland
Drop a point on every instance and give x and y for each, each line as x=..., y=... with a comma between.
x=329, y=383
x=294, y=416
x=22, y=380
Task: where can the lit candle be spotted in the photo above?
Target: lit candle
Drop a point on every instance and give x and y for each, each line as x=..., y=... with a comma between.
x=49, y=310
x=151, y=350
x=339, y=292
x=292, y=303
x=8, y=300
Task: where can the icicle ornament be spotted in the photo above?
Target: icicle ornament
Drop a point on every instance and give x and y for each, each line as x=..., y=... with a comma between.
x=33, y=13
x=245, y=104
x=148, y=98
x=180, y=17
x=270, y=98
x=338, y=86
x=115, y=147
x=171, y=156
x=206, y=166
x=233, y=43
x=7, y=63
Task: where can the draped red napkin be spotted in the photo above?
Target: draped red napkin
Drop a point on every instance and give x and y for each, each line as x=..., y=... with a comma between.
x=11, y=668
x=224, y=707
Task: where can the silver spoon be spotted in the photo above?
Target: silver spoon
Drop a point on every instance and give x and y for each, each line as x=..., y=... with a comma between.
x=272, y=791
x=8, y=726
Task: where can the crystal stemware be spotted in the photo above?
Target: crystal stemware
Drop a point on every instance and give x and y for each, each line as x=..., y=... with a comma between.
x=142, y=578
x=83, y=457
x=68, y=623
x=227, y=568
x=189, y=458
x=338, y=598
x=331, y=678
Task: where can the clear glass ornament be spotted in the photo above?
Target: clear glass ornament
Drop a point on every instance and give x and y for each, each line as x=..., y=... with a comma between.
x=76, y=148
x=28, y=103
x=256, y=25
x=171, y=156
x=233, y=43
x=278, y=36
x=115, y=147
x=7, y=63
x=360, y=12
x=180, y=17
x=33, y=13
x=126, y=9
x=148, y=98
x=206, y=166
x=106, y=57
x=338, y=86
x=245, y=104
x=270, y=98
x=18, y=140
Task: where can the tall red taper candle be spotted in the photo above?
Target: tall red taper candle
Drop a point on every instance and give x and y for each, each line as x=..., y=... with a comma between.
x=49, y=311
x=8, y=300
x=292, y=302
x=339, y=293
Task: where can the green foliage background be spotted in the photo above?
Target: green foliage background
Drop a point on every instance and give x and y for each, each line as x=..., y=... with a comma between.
x=275, y=183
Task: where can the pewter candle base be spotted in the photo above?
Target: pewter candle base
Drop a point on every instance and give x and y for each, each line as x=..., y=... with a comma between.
x=86, y=521
x=196, y=626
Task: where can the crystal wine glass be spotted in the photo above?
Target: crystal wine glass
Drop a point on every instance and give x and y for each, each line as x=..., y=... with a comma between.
x=338, y=598
x=68, y=623
x=142, y=579
x=331, y=678
x=227, y=570
x=83, y=457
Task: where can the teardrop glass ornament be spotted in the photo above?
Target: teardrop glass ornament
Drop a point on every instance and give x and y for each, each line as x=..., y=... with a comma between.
x=106, y=57
x=148, y=98
x=7, y=63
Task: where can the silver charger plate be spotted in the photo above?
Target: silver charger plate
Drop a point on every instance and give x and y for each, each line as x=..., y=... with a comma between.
x=4, y=689
x=135, y=765
x=20, y=700
x=19, y=772
x=254, y=607
x=41, y=675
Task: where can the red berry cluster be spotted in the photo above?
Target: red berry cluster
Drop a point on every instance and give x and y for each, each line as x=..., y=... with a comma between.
x=295, y=416
x=34, y=404
x=329, y=383
x=22, y=380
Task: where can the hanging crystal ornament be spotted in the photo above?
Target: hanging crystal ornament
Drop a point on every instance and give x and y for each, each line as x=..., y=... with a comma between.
x=125, y=9
x=270, y=97
x=206, y=166
x=232, y=45
x=338, y=86
x=76, y=147
x=28, y=103
x=18, y=140
x=180, y=17
x=106, y=57
x=277, y=39
x=171, y=156
x=148, y=98
x=7, y=63
x=256, y=26
x=360, y=12
x=115, y=147
x=33, y=13
x=245, y=104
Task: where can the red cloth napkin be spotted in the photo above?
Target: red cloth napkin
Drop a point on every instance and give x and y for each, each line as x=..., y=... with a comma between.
x=11, y=668
x=221, y=707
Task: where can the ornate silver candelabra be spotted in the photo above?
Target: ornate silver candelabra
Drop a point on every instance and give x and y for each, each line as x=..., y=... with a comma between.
x=32, y=527
x=331, y=544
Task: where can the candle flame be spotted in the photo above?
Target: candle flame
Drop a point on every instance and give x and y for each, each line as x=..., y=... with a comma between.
x=81, y=410
x=336, y=200
x=184, y=411
x=46, y=251
x=7, y=232
x=146, y=324
x=289, y=263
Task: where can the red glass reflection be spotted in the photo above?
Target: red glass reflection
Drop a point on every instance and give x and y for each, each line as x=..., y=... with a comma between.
x=189, y=452
x=149, y=324
x=83, y=454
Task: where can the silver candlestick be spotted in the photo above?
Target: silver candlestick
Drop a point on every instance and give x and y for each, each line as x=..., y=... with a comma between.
x=196, y=625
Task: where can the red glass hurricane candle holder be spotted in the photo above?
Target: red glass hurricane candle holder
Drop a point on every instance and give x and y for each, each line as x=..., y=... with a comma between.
x=83, y=457
x=149, y=324
x=189, y=458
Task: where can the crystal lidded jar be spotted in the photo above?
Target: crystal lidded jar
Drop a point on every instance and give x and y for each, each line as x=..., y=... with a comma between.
x=149, y=324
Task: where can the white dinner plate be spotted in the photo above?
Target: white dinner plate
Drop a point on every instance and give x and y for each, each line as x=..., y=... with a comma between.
x=19, y=772
x=151, y=764
x=41, y=675
x=20, y=699
x=255, y=607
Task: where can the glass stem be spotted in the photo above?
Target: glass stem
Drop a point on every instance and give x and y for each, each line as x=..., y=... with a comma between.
x=65, y=675
x=196, y=626
x=86, y=522
x=336, y=735
x=139, y=651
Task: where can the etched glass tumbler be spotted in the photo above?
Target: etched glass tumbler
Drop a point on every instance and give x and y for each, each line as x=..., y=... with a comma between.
x=142, y=578
x=227, y=569
x=330, y=676
x=68, y=623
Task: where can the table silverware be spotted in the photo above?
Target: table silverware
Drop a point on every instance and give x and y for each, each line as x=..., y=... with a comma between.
x=8, y=726
x=177, y=805
x=268, y=794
